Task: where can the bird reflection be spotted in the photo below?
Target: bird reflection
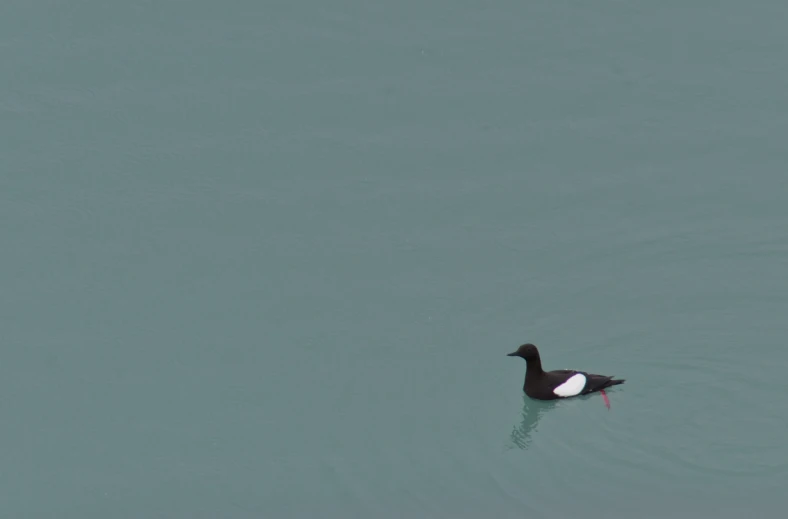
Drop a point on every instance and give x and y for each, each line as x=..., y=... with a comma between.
x=532, y=413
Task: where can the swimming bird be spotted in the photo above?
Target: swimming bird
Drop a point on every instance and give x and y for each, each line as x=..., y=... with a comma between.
x=562, y=383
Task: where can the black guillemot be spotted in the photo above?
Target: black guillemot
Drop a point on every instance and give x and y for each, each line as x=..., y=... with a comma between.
x=562, y=383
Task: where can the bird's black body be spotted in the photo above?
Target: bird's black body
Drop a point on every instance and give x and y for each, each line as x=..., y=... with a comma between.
x=551, y=385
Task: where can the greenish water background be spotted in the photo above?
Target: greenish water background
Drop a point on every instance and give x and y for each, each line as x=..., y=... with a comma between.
x=265, y=259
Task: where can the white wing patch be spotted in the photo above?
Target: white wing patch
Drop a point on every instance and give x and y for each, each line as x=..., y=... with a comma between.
x=573, y=386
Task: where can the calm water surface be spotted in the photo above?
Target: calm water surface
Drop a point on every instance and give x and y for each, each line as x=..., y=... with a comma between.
x=266, y=259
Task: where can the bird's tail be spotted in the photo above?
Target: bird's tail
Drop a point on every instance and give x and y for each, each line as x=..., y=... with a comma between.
x=616, y=382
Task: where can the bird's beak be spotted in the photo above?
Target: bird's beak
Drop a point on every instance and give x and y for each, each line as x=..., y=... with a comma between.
x=512, y=354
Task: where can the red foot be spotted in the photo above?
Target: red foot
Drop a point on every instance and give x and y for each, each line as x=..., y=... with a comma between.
x=604, y=396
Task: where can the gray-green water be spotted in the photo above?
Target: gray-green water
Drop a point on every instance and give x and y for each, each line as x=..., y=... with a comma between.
x=265, y=259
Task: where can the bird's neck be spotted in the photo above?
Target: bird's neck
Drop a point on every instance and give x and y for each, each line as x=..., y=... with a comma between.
x=534, y=366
